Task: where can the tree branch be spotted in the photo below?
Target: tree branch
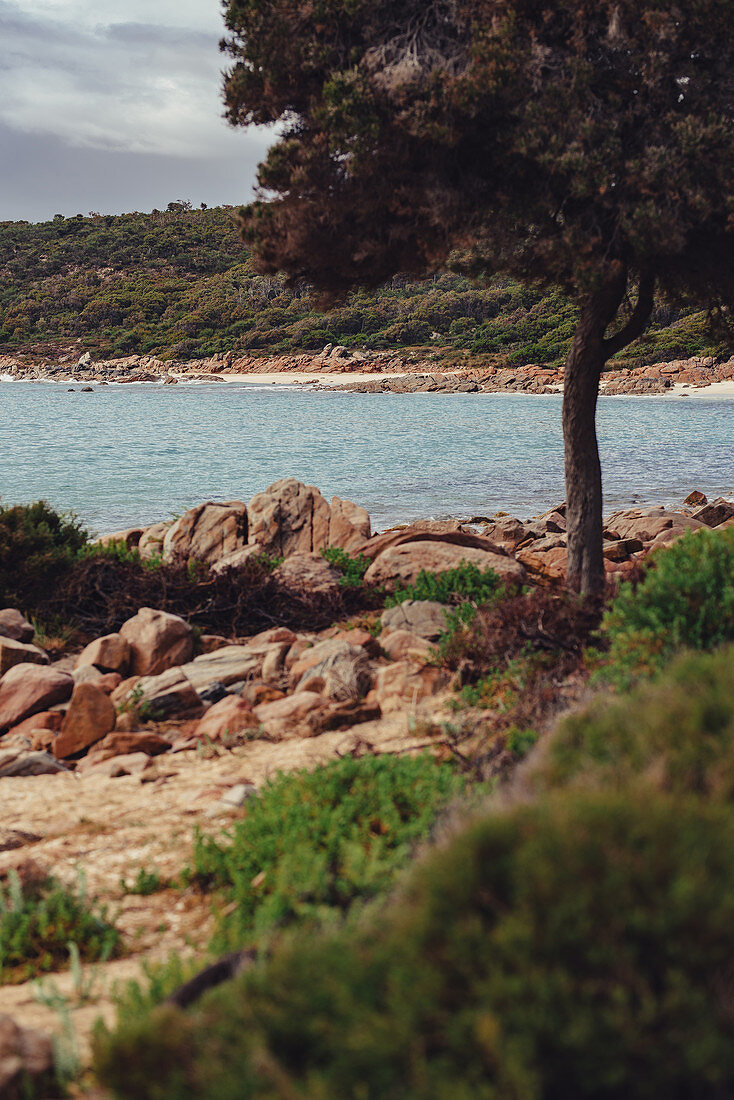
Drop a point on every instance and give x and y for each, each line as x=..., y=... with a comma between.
x=638, y=320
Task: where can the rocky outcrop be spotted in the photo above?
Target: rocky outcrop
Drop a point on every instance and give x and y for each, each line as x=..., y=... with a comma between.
x=290, y=517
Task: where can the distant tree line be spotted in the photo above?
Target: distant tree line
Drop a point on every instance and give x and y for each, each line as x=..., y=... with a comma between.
x=180, y=284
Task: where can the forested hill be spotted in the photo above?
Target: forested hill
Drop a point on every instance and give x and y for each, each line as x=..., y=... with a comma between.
x=179, y=284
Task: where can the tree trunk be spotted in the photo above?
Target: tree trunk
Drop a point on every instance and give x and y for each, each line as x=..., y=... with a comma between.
x=589, y=352
x=585, y=567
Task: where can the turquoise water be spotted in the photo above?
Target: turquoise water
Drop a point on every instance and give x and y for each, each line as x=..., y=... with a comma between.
x=131, y=454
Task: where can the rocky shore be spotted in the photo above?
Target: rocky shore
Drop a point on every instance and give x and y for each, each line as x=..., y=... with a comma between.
x=377, y=372
x=112, y=752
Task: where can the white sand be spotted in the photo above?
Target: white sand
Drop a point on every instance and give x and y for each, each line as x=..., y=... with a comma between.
x=716, y=389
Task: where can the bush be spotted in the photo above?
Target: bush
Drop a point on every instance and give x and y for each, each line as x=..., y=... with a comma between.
x=314, y=843
x=352, y=569
x=579, y=948
x=38, y=921
x=685, y=599
x=677, y=733
x=37, y=548
x=467, y=583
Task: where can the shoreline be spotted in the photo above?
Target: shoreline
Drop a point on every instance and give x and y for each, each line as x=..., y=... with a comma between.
x=351, y=382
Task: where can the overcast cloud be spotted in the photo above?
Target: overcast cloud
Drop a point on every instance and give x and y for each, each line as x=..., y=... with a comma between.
x=115, y=106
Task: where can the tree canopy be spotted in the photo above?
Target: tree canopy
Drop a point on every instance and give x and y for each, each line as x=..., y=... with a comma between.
x=582, y=143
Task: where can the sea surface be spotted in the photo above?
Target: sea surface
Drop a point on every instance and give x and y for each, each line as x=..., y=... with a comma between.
x=132, y=454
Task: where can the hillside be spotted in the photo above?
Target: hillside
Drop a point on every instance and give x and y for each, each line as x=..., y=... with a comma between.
x=180, y=285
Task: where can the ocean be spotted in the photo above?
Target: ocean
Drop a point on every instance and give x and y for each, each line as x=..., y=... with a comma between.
x=132, y=454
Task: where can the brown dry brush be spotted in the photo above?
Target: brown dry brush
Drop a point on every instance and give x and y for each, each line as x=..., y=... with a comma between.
x=98, y=594
x=547, y=632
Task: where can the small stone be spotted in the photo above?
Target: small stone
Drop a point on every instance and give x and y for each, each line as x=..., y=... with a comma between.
x=239, y=794
x=31, y=763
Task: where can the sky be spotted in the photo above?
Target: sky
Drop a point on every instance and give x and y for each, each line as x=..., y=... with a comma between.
x=114, y=106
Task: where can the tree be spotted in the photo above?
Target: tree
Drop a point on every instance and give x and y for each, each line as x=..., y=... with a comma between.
x=586, y=144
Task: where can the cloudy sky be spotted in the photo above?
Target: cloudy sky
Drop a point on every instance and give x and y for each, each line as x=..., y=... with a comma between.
x=114, y=105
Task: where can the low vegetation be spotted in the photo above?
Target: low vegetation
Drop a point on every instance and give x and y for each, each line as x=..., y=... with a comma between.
x=685, y=599
x=314, y=844
x=40, y=918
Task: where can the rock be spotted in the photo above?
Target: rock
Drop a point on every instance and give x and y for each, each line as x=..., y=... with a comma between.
x=401, y=683
x=287, y=518
x=47, y=720
x=715, y=513
x=400, y=565
x=157, y=640
x=90, y=674
x=89, y=718
x=257, y=691
x=632, y=523
x=110, y=653
x=31, y=763
x=226, y=665
x=14, y=625
x=227, y=720
x=120, y=743
x=207, y=533
x=274, y=663
x=237, y=795
x=27, y=689
x=213, y=693
x=622, y=549
x=342, y=674
x=131, y=537
x=18, y=653
x=310, y=655
x=343, y=715
x=27, y=1066
x=287, y=717
x=540, y=568
x=403, y=645
x=290, y=517
x=151, y=541
x=696, y=499
x=349, y=525
x=170, y=692
x=426, y=618
x=309, y=572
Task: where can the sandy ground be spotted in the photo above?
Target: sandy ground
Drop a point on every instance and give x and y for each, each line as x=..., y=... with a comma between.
x=716, y=389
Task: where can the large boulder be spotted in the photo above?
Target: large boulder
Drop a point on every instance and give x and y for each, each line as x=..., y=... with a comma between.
x=90, y=717
x=157, y=641
x=207, y=533
x=14, y=625
x=18, y=653
x=398, y=566
x=342, y=674
x=310, y=573
x=27, y=689
x=290, y=517
x=426, y=618
x=109, y=654
x=715, y=513
x=169, y=693
x=227, y=720
x=151, y=540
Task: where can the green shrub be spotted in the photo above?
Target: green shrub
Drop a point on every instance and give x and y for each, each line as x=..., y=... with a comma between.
x=578, y=948
x=146, y=882
x=314, y=843
x=464, y=584
x=352, y=569
x=37, y=923
x=686, y=599
x=37, y=546
x=676, y=733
